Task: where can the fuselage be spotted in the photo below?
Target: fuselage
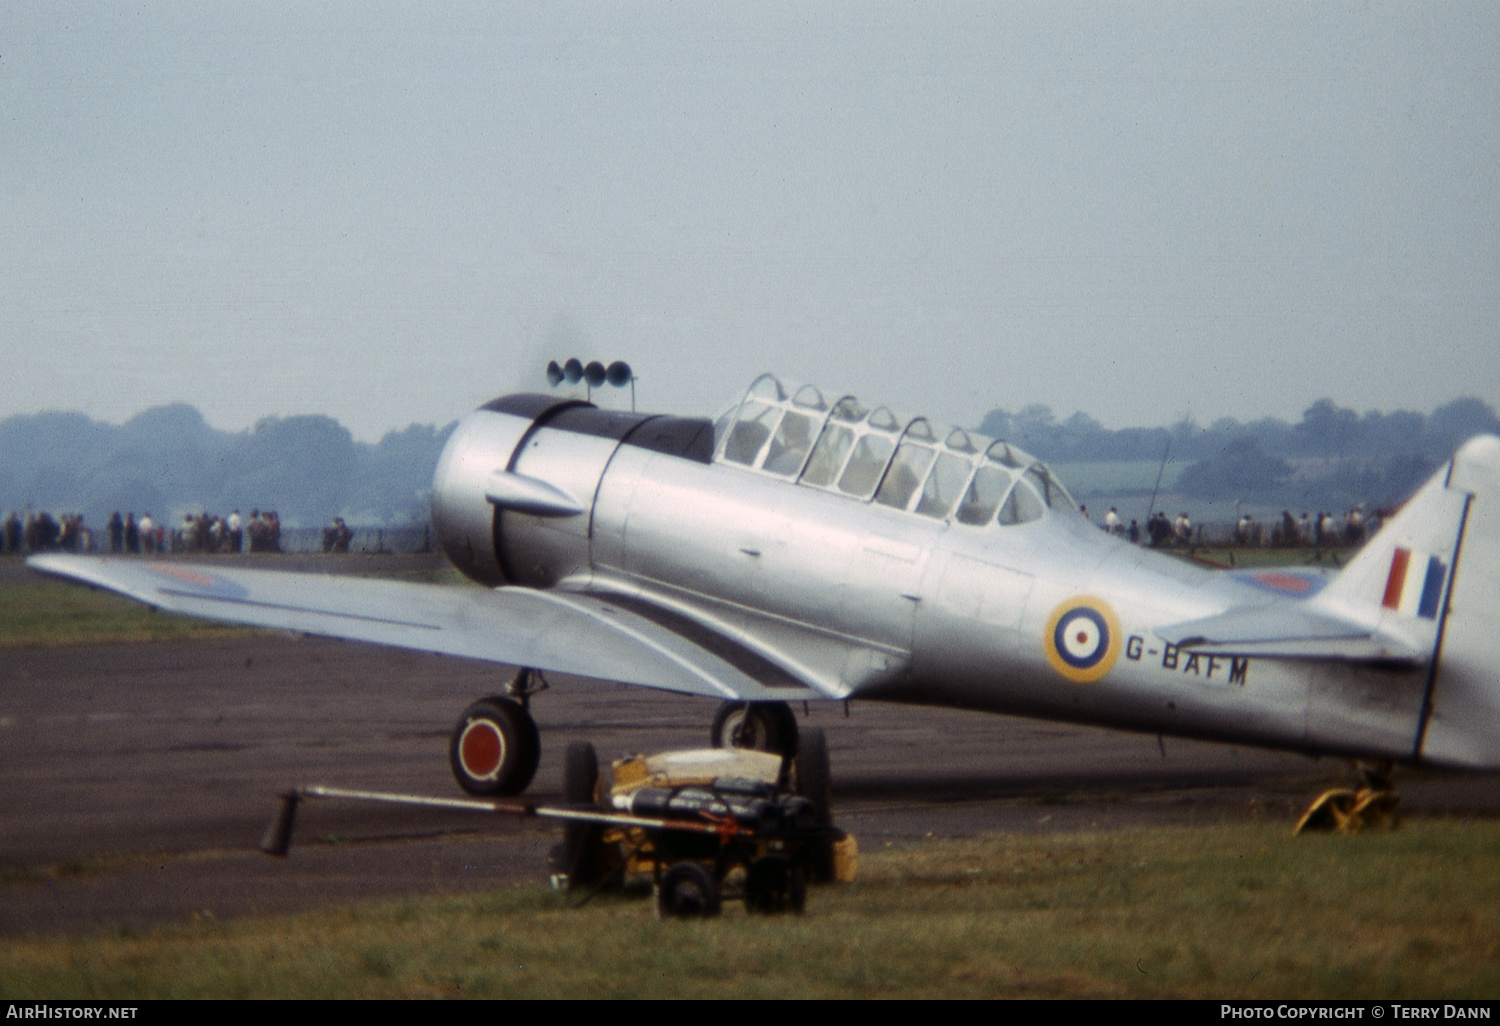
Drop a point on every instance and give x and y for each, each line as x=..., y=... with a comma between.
x=867, y=555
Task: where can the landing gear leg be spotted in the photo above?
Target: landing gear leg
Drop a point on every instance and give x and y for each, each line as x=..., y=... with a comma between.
x=1371, y=807
x=495, y=746
x=763, y=726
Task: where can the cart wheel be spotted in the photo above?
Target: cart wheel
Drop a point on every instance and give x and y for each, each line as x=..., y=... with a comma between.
x=774, y=885
x=815, y=783
x=687, y=892
x=582, y=854
x=580, y=773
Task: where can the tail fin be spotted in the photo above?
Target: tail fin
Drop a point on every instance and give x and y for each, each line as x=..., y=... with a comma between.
x=1387, y=606
x=1398, y=584
x=1432, y=577
x=1461, y=725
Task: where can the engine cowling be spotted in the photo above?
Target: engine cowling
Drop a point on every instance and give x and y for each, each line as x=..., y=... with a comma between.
x=514, y=491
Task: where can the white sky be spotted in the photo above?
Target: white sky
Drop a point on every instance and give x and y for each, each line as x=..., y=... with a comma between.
x=392, y=213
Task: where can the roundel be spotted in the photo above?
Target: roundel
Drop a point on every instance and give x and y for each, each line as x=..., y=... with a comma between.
x=1083, y=639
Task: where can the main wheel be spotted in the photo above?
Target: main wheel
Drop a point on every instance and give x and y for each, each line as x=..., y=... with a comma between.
x=763, y=726
x=495, y=748
x=687, y=892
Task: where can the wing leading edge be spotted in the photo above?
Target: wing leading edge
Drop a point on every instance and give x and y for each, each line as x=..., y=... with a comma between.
x=565, y=633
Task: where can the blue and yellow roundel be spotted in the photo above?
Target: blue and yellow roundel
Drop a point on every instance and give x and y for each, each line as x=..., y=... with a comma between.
x=1082, y=639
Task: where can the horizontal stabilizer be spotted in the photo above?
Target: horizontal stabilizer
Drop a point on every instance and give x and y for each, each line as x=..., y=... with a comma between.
x=1288, y=630
x=565, y=633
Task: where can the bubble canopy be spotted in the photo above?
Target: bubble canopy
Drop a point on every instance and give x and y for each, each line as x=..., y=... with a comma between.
x=877, y=455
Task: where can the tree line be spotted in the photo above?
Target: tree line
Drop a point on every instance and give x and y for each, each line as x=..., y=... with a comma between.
x=1333, y=458
x=168, y=461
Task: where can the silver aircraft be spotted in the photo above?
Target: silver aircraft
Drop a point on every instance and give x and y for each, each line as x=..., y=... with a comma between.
x=806, y=547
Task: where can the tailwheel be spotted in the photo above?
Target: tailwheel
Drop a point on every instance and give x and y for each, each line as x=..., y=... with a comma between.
x=1351, y=811
x=762, y=726
x=495, y=748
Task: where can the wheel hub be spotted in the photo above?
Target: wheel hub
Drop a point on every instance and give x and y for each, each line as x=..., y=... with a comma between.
x=482, y=750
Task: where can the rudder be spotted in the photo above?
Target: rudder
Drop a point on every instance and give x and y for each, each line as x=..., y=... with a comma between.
x=1461, y=726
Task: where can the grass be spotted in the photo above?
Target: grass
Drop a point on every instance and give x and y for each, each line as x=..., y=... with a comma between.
x=55, y=613
x=1242, y=911
x=1255, y=558
x=42, y=612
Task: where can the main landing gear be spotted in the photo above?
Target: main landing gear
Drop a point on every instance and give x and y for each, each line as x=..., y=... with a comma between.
x=772, y=727
x=496, y=747
x=762, y=726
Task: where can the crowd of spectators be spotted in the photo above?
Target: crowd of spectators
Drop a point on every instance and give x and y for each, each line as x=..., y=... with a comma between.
x=337, y=536
x=129, y=534
x=261, y=532
x=1323, y=531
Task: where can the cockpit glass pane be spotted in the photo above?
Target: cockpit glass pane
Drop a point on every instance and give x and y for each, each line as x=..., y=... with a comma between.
x=904, y=476
x=984, y=494
x=721, y=426
x=863, y=472
x=767, y=387
x=921, y=430
x=1021, y=505
x=789, y=447
x=944, y=485
x=1004, y=455
x=850, y=410
x=828, y=456
x=750, y=432
x=809, y=398
x=1038, y=481
x=1057, y=495
x=1049, y=489
x=959, y=441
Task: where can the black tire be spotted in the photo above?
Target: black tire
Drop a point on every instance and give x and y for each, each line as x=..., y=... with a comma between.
x=814, y=778
x=580, y=774
x=495, y=748
x=773, y=885
x=583, y=843
x=687, y=891
x=762, y=726
x=815, y=783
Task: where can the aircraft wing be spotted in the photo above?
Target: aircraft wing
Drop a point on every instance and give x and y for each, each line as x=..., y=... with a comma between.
x=566, y=633
x=1290, y=630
